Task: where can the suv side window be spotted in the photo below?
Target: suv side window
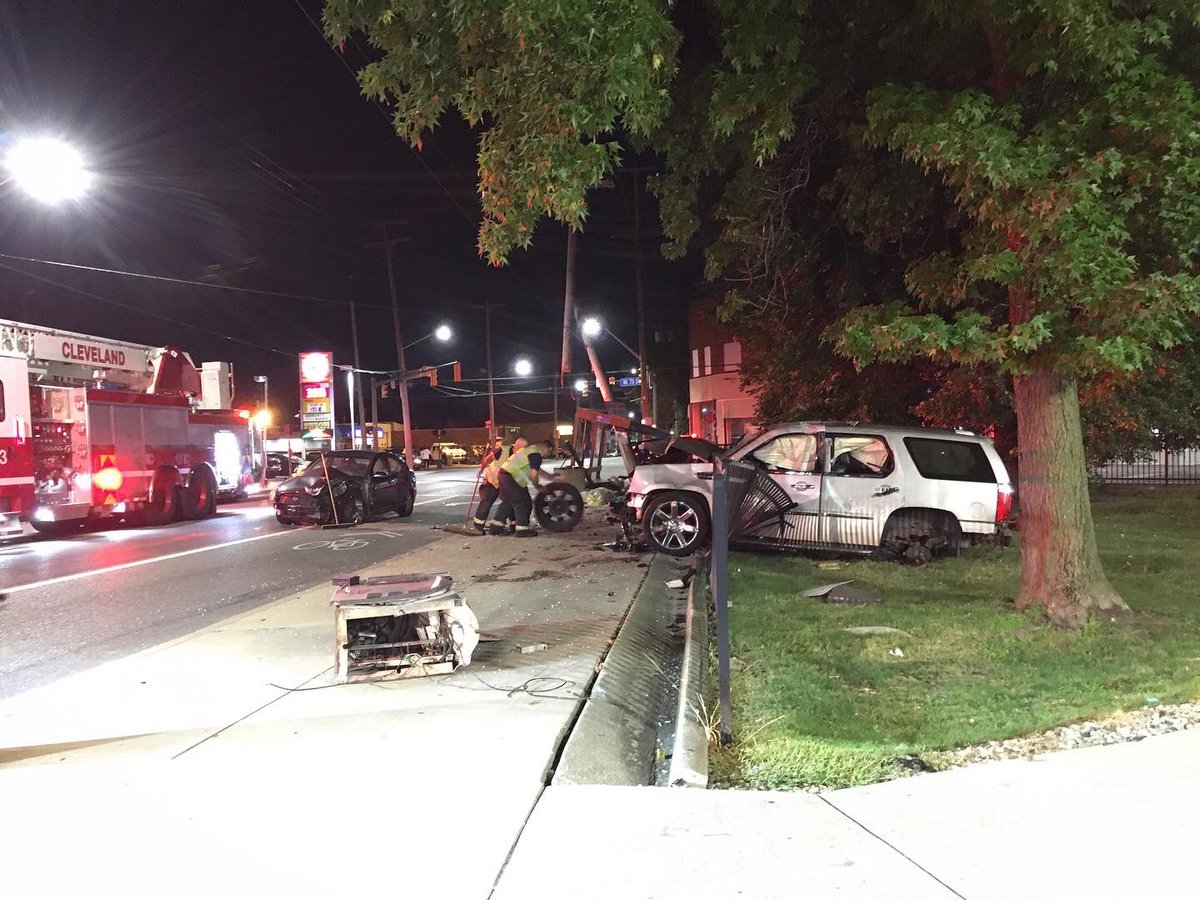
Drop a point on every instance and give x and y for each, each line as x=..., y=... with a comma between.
x=790, y=452
x=946, y=460
x=394, y=465
x=860, y=456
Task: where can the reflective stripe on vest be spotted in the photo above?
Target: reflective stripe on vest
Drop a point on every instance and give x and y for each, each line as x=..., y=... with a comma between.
x=492, y=473
x=517, y=465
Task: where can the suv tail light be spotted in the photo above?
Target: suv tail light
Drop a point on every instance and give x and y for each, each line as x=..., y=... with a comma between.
x=1004, y=501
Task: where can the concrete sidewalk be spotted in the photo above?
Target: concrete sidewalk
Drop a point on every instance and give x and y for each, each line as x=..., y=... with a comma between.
x=1104, y=822
x=225, y=763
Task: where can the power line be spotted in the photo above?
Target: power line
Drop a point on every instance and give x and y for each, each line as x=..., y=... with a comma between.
x=144, y=312
x=187, y=281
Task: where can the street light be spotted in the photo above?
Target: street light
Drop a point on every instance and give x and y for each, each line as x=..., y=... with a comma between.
x=442, y=333
x=47, y=169
x=580, y=385
x=592, y=328
x=523, y=367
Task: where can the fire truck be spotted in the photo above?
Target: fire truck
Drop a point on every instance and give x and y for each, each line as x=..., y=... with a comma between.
x=94, y=429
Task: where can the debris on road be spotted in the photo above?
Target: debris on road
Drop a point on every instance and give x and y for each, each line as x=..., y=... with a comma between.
x=411, y=625
x=845, y=592
x=531, y=648
x=676, y=583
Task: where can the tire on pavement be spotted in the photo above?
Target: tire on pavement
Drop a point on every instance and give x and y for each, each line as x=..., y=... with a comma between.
x=59, y=529
x=163, y=505
x=558, y=507
x=405, y=509
x=350, y=509
x=199, y=499
x=676, y=523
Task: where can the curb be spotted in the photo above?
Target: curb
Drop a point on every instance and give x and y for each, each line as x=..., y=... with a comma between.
x=689, y=750
x=615, y=740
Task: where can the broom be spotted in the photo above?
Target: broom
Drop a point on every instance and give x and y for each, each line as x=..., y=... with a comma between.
x=465, y=529
x=332, y=502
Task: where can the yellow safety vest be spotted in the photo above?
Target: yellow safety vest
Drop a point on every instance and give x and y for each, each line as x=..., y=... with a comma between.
x=492, y=473
x=517, y=465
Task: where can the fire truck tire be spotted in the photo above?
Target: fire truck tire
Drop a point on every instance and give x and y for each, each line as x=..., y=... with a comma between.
x=199, y=498
x=163, y=504
x=59, y=529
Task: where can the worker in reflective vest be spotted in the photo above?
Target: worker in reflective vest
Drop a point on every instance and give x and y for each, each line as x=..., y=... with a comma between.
x=489, y=486
x=518, y=473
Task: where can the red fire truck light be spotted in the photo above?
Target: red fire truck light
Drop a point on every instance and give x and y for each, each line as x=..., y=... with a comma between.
x=108, y=479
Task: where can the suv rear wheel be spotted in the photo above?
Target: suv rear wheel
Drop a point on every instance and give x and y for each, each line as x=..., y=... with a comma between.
x=676, y=523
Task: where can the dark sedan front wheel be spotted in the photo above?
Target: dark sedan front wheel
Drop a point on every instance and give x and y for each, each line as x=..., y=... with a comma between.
x=350, y=510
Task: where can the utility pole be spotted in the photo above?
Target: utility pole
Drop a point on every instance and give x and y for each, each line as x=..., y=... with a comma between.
x=568, y=309
x=640, y=289
x=357, y=399
x=389, y=245
x=487, y=339
x=374, y=413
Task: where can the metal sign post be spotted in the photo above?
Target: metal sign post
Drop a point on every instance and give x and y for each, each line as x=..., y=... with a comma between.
x=719, y=577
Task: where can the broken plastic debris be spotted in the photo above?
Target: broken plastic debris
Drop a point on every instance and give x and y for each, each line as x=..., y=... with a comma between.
x=824, y=589
x=675, y=583
x=531, y=648
x=895, y=651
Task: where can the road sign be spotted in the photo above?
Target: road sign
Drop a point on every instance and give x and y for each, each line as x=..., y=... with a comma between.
x=629, y=382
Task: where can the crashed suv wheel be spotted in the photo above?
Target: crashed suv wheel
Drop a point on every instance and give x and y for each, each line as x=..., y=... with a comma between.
x=676, y=523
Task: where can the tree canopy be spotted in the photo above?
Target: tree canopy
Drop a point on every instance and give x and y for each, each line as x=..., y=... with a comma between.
x=1005, y=189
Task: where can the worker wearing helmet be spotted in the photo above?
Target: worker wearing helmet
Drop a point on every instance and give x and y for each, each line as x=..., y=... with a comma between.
x=489, y=488
x=518, y=473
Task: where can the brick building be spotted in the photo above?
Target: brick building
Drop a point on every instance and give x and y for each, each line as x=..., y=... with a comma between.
x=719, y=409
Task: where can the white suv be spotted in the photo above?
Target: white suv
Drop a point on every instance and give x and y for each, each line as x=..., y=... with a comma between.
x=856, y=488
x=451, y=453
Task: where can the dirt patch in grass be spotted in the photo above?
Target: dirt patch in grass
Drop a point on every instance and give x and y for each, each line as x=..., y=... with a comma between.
x=818, y=706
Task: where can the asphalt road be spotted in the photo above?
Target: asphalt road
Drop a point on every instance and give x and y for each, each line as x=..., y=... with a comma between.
x=76, y=602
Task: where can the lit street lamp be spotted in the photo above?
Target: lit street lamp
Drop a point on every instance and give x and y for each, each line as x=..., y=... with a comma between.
x=592, y=328
x=442, y=333
x=47, y=169
x=523, y=367
x=580, y=385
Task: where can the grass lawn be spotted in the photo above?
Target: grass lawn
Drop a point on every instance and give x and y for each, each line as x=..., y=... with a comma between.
x=815, y=705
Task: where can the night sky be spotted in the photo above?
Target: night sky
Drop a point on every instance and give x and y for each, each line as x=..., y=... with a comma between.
x=232, y=146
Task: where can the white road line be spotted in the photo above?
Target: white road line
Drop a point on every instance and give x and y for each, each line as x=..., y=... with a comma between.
x=436, y=499
x=140, y=562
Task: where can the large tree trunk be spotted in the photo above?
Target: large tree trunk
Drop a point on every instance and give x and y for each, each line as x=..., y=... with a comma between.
x=1060, y=565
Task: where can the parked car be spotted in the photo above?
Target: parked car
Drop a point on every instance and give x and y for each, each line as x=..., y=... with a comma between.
x=281, y=465
x=362, y=483
x=854, y=488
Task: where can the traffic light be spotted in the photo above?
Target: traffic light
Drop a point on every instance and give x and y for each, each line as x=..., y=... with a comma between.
x=384, y=388
x=458, y=371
